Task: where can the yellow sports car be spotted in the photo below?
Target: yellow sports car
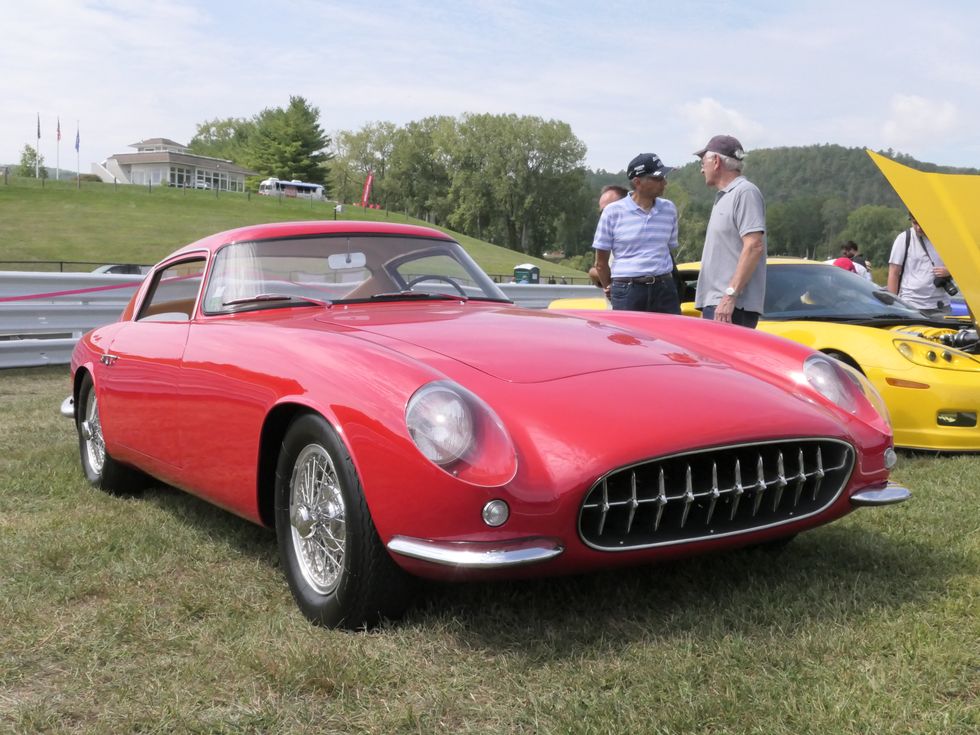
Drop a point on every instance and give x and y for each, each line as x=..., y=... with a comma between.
x=926, y=369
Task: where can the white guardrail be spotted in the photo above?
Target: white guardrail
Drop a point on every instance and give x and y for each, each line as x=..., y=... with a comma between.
x=42, y=315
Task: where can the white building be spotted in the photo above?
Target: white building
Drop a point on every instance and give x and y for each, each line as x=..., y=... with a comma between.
x=163, y=162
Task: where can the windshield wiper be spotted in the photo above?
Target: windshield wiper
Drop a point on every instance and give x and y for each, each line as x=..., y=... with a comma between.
x=420, y=295
x=262, y=298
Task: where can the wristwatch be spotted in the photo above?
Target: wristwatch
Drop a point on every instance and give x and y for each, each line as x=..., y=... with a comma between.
x=730, y=291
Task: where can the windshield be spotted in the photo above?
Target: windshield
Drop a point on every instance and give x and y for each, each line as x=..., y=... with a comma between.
x=827, y=292
x=342, y=269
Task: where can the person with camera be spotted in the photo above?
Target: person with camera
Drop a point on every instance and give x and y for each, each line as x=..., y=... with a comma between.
x=917, y=274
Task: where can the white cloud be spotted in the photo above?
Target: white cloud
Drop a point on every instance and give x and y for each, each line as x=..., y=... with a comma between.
x=799, y=73
x=915, y=122
x=708, y=117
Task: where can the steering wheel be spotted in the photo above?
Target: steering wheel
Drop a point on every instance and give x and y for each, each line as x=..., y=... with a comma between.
x=434, y=277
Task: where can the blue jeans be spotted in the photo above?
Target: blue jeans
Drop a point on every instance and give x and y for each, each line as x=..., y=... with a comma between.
x=740, y=316
x=660, y=296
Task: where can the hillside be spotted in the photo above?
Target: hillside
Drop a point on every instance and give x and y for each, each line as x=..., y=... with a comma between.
x=817, y=171
x=101, y=223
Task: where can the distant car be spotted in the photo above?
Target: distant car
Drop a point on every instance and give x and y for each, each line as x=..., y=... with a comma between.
x=366, y=390
x=927, y=369
x=123, y=268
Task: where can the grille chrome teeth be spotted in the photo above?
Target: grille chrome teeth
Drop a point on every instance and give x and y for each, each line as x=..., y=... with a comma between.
x=688, y=495
x=780, y=481
x=715, y=493
x=800, y=480
x=605, y=506
x=678, y=498
x=634, y=503
x=820, y=474
x=661, y=500
x=760, y=485
x=737, y=490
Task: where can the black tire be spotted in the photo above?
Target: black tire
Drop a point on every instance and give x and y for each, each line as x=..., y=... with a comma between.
x=100, y=469
x=338, y=570
x=846, y=359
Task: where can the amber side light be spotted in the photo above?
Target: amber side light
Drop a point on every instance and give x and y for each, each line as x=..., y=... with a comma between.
x=899, y=383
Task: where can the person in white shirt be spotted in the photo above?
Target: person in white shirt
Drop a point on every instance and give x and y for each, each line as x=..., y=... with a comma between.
x=914, y=267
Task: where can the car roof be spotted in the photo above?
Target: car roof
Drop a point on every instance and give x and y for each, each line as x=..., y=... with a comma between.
x=306, y=228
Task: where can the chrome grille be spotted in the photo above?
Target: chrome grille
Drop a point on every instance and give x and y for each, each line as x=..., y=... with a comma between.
x=713, y=493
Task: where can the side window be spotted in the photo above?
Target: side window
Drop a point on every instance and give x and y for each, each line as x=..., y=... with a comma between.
x=173, y=292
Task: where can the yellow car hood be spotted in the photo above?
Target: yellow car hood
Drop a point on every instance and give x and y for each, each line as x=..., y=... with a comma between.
x=946, y=205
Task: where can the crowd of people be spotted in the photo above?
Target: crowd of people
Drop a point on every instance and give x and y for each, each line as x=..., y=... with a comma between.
x=637, y=235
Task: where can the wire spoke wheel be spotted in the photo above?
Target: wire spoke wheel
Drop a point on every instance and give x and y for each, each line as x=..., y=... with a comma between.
x=338, y=570
x=91, y=431
x=318, y=519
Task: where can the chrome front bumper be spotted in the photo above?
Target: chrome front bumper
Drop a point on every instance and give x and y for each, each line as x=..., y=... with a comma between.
x=478, y=555
x=889, y=495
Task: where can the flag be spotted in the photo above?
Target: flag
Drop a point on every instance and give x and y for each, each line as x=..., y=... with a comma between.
x=59, y=129
x=39, y=126
x=76, y=140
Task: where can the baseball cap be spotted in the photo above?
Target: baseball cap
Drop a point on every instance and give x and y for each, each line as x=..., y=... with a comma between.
x=726, y=145
x=647, y=164
x=845, y=263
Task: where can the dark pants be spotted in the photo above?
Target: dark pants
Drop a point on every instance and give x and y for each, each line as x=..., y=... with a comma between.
x=660, y=296
x=740, y=316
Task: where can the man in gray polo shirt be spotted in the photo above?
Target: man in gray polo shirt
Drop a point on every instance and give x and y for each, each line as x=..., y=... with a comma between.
x=732, y=284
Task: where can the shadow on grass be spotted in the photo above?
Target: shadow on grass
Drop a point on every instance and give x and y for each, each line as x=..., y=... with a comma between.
x=834, y=574
x=830, y=576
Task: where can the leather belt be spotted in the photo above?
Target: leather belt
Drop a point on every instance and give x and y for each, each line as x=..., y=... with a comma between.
x=643, y=279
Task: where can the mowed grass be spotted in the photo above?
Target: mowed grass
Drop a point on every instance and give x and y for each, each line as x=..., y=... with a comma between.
x=161, y=614
x=104, y=223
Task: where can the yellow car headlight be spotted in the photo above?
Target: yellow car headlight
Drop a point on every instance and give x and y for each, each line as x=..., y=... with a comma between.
x=927, y=354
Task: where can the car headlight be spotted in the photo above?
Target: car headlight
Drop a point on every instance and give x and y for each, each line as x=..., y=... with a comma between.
x=842, y=384
x=934, y=355
x=824, y=375
x=459, y=433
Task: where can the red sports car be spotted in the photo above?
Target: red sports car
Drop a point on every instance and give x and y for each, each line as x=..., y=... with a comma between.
x=367, y=390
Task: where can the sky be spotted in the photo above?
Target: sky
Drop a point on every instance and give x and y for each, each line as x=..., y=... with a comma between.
x=627, y=77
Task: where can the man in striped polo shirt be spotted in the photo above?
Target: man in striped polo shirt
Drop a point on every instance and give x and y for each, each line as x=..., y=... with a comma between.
x=640, y=230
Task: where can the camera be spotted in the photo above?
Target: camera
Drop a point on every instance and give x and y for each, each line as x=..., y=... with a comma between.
x=946, y=284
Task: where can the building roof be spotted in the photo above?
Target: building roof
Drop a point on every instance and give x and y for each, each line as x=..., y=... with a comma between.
x=182, y=159
x=157, y=141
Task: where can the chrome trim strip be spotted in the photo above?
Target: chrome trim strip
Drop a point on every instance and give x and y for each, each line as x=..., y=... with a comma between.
x=68, y=408
x=889, y=495
x=478, y=554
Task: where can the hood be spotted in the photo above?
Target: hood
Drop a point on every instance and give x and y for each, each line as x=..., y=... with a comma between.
x=946, y=207
x=513, y=344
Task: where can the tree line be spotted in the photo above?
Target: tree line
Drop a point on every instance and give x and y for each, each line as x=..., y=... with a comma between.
x=521, y=181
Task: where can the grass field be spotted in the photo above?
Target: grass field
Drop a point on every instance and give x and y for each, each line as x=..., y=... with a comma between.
x=134, y=224
x=160, y=614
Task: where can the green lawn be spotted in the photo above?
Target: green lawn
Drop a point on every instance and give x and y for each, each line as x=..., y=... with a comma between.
x=104, y=223
x=161, y=614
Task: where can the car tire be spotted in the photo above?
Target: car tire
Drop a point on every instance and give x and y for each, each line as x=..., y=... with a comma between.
x=338, y=570
x=100, y=468
x=844, y=358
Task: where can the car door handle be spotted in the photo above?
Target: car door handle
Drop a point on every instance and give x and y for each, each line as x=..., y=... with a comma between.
x=108, y=359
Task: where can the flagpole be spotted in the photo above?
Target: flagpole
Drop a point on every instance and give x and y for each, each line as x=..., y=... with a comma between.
x=57, y=154
x=37, y=150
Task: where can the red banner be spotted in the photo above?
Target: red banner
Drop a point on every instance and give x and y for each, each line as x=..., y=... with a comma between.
x=367, y=189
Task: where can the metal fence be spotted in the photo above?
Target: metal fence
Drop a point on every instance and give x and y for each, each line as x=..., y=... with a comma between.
x=42, y=315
